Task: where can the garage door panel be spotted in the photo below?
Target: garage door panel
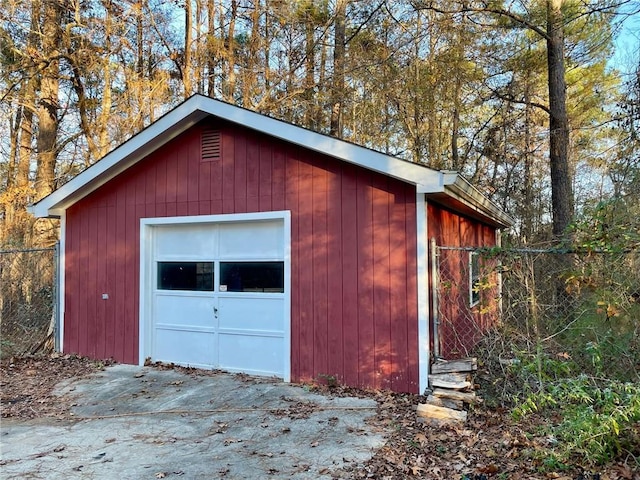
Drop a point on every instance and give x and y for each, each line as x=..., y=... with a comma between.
x=200, y=319
x=251, y=240
x=184, y=347
x=252, y=354
x=183, y=310
x=252, y=313
x=185, y=241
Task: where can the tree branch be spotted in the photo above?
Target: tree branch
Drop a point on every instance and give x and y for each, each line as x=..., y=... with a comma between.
x=465, y=8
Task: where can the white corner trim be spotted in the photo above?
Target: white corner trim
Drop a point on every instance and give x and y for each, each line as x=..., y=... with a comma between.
x=423, y=293
x=146, y=270
x=145, y=290
x=61, y=278
x=287, y=288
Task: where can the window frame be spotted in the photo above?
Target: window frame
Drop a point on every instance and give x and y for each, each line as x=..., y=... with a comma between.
x=474, y=278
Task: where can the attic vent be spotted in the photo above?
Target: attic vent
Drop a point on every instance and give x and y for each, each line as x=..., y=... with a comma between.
x=210, y=144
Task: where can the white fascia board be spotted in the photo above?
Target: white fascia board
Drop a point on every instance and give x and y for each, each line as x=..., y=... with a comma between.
x=137, y=147
x=198, y=107
x=348, y=152
x=457, y=187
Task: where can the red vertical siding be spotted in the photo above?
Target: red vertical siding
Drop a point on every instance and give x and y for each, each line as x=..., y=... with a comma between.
x=353, y=248
x=460, y=325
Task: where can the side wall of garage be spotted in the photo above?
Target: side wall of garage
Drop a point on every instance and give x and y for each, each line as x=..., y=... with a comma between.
x=461, y=326
x=353, y=251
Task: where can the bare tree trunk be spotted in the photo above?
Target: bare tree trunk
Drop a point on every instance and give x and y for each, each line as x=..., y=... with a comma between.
x=105, y=109
x=249, y=77
x=561, y=186
x=528, y=208
x=188, y=40
x=309, y=65
x=211, y=54
x=140, y=91
x=199, y=57
x=337, y=86
x=48, y=106
x=230, y=75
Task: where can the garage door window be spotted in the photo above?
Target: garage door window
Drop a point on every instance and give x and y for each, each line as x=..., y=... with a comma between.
x=193, y=276
x=252, y=277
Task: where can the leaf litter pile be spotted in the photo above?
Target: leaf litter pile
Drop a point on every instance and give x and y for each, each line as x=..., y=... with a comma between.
x=490, y=445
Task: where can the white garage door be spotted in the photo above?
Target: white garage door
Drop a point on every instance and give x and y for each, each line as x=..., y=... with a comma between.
x=218, y=296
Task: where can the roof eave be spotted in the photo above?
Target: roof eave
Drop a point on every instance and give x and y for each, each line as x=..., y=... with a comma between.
x=199, y=107
x=457, y=187
x=117, y=161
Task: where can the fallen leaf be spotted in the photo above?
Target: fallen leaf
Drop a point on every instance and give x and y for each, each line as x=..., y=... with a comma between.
x=415, y=470
x=488, y=469
x=625, y=472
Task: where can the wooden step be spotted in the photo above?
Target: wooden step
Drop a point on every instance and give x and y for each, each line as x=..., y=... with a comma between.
x=466, y=397
x=445, y=402
x=426, y=410
x=456, y=381
x=448, y=366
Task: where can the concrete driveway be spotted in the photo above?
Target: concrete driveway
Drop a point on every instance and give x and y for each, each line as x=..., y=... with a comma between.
x=145, y=423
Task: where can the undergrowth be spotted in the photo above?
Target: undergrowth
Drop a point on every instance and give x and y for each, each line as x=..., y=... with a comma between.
x=598, y=418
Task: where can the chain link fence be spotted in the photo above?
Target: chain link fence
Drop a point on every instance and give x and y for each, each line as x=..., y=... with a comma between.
x=556, y=313
x=28, y=280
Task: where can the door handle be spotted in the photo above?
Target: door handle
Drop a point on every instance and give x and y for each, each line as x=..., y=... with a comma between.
x=215, y=312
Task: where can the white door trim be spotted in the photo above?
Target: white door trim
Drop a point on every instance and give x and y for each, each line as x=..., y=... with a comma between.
x=423, y=292
x=146, y=272
x=62, y=255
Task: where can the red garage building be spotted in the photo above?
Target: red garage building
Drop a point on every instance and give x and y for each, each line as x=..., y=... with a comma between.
x=222, y=238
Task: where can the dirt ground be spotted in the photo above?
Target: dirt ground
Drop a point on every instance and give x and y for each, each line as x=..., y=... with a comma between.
x=489, y=445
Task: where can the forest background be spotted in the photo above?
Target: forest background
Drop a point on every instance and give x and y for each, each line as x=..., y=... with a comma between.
x=460, y=85
x=529, y=99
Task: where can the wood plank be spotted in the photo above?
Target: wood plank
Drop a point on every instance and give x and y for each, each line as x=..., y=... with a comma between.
x=240, y=173
x=335, y=365
x=383, y=358
x=436, y=382
x=278, y=179
x=364, y=209
x=228, y=174
x=171, y=176
x=451, y=377
x=411, y=288
x=349, y=262
x=441, y=413
x=462, y=365
x=445, y=402
x=194, y=155
x=291, y=190
x=265, y=183
x=319, y=261
x=467, y=397
x=456, y=381
x=182, y=173
x=306, y=273
x=398, y=276
x=253, y=175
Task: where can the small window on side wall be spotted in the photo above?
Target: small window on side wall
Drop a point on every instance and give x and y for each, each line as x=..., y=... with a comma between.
x=474, y=278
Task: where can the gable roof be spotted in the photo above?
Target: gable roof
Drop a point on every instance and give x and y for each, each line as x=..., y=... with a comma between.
x=442, y=184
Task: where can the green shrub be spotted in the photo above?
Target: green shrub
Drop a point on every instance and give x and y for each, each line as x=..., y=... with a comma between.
x=599, y=419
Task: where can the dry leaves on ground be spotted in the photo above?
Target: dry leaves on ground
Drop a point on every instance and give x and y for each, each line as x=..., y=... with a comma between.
x=489, y=446
x=27, y=384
